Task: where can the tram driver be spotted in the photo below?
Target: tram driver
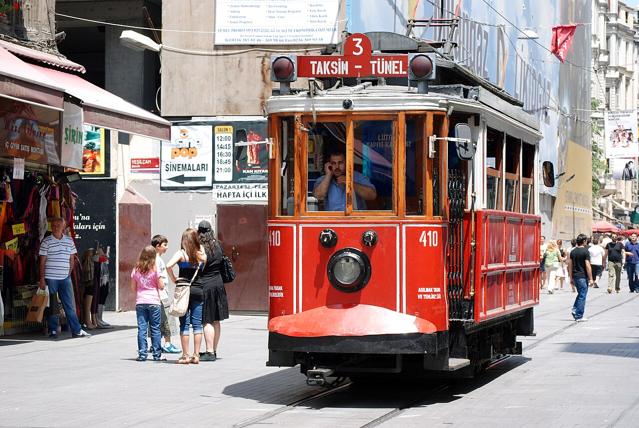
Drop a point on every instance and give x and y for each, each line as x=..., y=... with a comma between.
x=331, y=187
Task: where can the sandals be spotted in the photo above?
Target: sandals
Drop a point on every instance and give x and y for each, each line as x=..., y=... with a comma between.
x=195, y=359
x=184, y=359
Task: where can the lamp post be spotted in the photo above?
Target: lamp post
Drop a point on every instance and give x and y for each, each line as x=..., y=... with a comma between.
x=568, y=180
x=138, y=42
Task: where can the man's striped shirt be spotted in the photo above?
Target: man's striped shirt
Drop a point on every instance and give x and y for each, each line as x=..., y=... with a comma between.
x=58, y=252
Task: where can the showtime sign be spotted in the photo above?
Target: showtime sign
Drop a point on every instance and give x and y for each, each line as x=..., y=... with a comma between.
x=357, y=61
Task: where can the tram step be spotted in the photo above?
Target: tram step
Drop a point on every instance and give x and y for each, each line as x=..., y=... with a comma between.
x=457, y=363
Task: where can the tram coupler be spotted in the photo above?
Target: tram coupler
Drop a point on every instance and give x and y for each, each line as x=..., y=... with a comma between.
x=317, y=377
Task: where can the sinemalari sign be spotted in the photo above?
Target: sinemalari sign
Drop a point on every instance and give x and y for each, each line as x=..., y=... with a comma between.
x=357, y=61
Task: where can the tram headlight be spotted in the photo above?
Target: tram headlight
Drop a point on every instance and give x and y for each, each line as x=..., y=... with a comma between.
x=349, y=270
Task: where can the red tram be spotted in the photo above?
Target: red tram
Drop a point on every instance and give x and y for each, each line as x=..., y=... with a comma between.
x=403, y=234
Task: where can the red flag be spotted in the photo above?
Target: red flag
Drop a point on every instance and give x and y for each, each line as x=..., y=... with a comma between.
x=562, y=36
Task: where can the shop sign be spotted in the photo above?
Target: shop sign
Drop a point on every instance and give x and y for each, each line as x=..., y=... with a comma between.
x=28, y=139
x=145, y=164
x=186, y=160
x=357, y=61
x=292, y=22
x=249, y=192
x=72, y=136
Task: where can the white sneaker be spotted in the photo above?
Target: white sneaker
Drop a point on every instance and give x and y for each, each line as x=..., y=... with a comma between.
x=82, y=334
x=584, y=319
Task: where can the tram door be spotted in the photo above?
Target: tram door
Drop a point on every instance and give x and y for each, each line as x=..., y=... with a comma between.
x=242, y=231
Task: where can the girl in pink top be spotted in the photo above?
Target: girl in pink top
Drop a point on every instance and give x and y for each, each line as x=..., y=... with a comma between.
x=146, y=283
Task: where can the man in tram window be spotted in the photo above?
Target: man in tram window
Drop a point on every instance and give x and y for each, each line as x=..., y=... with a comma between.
x=331, y=187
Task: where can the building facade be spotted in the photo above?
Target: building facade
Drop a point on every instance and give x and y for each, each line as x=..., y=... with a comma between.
x=614, y=87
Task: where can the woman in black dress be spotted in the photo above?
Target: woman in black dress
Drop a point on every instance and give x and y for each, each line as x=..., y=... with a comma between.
x=216, y=306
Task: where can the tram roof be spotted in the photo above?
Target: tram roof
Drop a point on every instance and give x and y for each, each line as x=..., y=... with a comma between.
x=367, y=97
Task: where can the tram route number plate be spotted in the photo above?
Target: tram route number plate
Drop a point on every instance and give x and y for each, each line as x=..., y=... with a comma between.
x=223, y=153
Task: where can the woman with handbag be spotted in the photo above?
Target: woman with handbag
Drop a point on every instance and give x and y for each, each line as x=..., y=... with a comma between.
x=189, y=259
x=216, y=306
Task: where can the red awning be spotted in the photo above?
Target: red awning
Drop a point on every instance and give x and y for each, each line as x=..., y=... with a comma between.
x=46, y=58
x=23, y=82
x=104, y=109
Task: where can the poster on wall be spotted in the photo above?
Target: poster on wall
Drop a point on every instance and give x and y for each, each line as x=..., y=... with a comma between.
x=94, y=152
x=28, y=132
x=186, y=160
x=279, y=22
x=621, y=134
x=623, y=169
x=144, y=155
x=72, y=136
x=94, y=222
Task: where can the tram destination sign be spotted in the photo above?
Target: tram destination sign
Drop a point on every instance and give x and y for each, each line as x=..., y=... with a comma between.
x=357, y=61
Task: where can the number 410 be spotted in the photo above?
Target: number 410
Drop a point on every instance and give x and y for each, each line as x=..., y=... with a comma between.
x=429, y=238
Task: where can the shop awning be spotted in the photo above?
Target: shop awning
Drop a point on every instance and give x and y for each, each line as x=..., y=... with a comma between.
x=23, y=82
x=104, y=109
x=46, y=58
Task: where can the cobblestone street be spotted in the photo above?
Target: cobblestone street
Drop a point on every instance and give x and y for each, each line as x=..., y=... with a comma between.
x=569, y=375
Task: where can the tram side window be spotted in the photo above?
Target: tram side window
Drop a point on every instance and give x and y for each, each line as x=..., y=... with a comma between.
x=287, y=172
x=415, y=165
x=326, y=167
x=527, y=175
x=373, y=165
x=494, y=145
x=513, y=156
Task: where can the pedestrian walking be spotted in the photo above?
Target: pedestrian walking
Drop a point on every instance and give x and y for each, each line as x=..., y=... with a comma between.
x=216, y=307
x=573, y=245
x=146, y=284
x=561, y=273
x=580, y=276
x=161, y=245
x=542, y=263
x=188, y=259
x=614, y=259
x=552, y=262
x=57, y=255
x=631, y=250
x=596, y=259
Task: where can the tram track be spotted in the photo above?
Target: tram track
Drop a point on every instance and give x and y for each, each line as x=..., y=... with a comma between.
x=574, y=323
x=425, y=398
x=297, y=403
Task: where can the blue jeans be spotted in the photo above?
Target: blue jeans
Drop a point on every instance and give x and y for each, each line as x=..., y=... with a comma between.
x=193, y=316
x=64, y=288
x=148, y=317
x=633, y=276
x=581, y=284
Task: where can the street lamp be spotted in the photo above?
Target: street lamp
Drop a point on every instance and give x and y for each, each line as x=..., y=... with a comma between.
x=138, y=42
x=568, y=180
x=528, y=34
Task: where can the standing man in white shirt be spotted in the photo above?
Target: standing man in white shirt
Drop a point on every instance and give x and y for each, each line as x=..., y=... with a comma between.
x=56, y=263
x=596, y=260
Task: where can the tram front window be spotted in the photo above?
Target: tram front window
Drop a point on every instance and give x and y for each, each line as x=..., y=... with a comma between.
x=373, y=165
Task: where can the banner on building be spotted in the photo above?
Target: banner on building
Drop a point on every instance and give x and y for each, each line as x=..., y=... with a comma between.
x=620, y=129
x=186, y=160
x=623, y=169
x=28, y=132
x=94, y=151
x=282, y=22
x=72, y=136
